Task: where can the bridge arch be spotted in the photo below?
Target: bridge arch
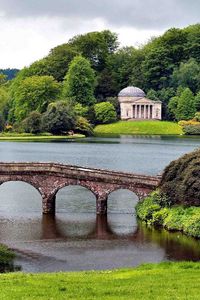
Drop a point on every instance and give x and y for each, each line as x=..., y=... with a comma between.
x=71, y=195
x=15, y=195
x=74, y=183
x=24, y=180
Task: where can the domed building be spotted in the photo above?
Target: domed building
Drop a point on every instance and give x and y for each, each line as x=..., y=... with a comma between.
x=135, y=105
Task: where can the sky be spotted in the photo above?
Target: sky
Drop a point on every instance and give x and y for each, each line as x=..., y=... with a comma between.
x=30, y=28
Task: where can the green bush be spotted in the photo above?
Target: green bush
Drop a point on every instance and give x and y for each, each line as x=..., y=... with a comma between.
x=159, y=216
x=59, y=118
x=192, y=225
x=175, y=218
x=105, y=113
x=6, y=260
x=181, y=181
x=83, y=126
x=197, y=115
x=33, y=123
x=146, y=208
x=191, y=129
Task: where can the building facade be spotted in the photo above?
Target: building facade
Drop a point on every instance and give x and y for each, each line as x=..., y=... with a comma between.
x=135, y=105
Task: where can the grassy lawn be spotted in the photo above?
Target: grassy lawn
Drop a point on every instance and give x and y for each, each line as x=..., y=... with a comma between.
x=156, y=282
x=36, y=138
x=138, y=127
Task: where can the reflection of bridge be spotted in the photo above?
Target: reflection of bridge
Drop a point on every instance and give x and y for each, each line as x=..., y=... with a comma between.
x=49, y=178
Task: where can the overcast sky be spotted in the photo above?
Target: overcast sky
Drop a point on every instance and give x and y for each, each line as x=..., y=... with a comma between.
x=30, y=28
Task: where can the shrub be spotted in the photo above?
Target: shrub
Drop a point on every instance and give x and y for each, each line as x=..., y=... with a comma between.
x=159, y=216
x=192, y=225
x=181, y=181
x=33, y=123
x=105, y=113
x=175, y=219
x=59, y=118
x=191, y=129
x=83, y=126
x=146, y=208
x=6, y=260
x=197, y=116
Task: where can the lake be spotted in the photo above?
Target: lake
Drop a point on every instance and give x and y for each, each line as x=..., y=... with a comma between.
x=75, y=239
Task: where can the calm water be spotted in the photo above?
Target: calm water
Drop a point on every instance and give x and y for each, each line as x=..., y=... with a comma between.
x=75, y=239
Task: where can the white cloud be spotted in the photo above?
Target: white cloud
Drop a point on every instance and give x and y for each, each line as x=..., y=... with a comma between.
x=23, y=41
x=30, y=28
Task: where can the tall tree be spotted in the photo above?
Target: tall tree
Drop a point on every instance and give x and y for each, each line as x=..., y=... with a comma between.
x=96, y=46
x=79, y=83
x=34, y=94
x=187, y=75
x=186, y=105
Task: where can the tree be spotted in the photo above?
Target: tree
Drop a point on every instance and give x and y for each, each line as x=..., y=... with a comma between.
x=83, y=126
x=34, y=94
x=197, y=102
x=80, y=82
x=96, y=47
x=186, y=105
x=153, y=95
x=187, y=75
x=59, y=117
x=172, y=106
x=105, y=113
x=33, y=123
x=157, y=68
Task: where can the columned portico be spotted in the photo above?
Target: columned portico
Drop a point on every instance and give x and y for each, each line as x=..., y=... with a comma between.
x=142, y=111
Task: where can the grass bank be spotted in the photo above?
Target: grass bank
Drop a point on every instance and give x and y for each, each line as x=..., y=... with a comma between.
x=153, y=211
x=37, y=138
x=159, y=281
x=139, y=127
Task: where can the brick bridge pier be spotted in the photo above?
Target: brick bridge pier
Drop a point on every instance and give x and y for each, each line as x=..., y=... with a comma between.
x=49, y=178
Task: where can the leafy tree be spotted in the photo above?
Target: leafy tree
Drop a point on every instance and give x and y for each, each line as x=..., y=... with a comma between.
x=59, y=118
x=81, y=110
x=83, y=126
x=153, y=95
x=157, y=67
x=34, y=93
x=96, y=47
x=186, y=105
x=59, y=59
x=197, y=101
x=80, y=82
x=33, y=123
x=172, y=106
x=2, y=122
x=187, y=75
x=105, y=113
x=4, y=98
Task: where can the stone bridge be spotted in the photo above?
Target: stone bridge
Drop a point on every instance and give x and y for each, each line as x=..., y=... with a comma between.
x=49, y=178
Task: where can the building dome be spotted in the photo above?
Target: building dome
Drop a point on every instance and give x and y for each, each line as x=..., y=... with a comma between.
x=132, y=91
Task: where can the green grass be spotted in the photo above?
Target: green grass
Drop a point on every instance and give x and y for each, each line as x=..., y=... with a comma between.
x=152, y=282
x=31, y=137
x=139, y=127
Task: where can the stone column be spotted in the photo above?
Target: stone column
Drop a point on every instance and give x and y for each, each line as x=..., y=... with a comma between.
x=139, y=111
x=148, y=111
x=49, y=204
x=136, y=111
x=101, y=205
x=145, y=110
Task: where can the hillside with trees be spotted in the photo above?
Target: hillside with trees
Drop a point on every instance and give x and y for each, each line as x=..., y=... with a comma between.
x=69, y=84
